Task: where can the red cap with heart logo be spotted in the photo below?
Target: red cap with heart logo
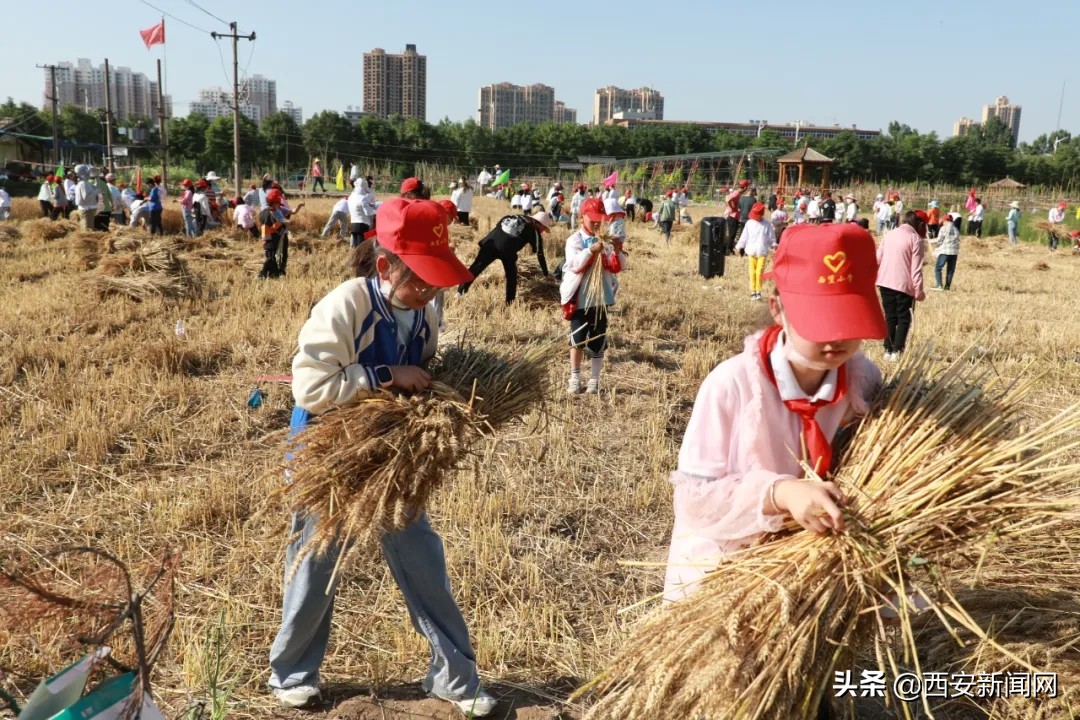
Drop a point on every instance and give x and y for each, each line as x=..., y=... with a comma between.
x=826, y=276
x=416, y=231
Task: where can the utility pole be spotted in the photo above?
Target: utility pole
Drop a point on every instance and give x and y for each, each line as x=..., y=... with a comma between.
x=108, y=121
x=55, y=116
x=236, y=95
x=161, y=130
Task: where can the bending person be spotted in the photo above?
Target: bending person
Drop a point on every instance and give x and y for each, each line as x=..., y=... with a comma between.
x=504, y=242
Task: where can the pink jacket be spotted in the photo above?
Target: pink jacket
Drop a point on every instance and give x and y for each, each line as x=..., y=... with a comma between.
x=741, y=437
x=900, y=261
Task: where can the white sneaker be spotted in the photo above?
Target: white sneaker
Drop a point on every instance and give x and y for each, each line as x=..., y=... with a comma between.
x=298, y=695
x=574, y=386
x=891, y=357
x=480, y=706
x=593, y=386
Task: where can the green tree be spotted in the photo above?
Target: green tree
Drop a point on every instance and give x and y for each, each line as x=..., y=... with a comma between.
x=327, y=133
x=219, y=144
x=283, y=140
x=187, y=137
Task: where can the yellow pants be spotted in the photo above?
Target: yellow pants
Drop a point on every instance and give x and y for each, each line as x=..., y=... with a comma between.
x=757, y=266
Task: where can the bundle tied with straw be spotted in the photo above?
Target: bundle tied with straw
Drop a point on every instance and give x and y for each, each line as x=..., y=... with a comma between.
x=151, y=270
x=942, y=464
x=369, y=468
x=594, y=278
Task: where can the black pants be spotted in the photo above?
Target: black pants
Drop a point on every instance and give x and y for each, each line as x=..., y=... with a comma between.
x=487, y=255
x=254, y=230
x=357, y=230
x=932, y=231
x=630, y=212
x=899, y=309
x=101, y=221
x=1052, y=240
x=46, y=208
x=318, y=182
x=975, y=227
x=155, y=223
x=588, y=331
x=58, y=212
x=731, y=226
x=463, y=218
x=270, y=268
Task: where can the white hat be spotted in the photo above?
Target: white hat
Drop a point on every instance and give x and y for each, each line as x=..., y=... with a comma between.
x=880, y=196
x=544, y=219
x=211, y=176
x=611, y=206
x=849, y=197
x=1015, y=204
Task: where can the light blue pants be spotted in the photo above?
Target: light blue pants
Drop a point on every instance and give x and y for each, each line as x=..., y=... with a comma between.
x=342, y=219
x=1012, y=233
x=416, y=560
x=191, y=229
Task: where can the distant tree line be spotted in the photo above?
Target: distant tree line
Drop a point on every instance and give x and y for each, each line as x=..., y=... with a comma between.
x=901, y=154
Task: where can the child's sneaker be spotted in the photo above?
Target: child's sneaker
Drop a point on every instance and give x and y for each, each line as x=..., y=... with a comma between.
x=593, y=386
x=574, y=386
x=297, y=696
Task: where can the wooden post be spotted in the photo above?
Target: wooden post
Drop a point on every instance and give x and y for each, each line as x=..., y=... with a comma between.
x=825, y=178
x=801, y=166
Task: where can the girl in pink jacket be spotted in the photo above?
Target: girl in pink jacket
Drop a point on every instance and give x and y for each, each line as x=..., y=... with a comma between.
x=783, y=398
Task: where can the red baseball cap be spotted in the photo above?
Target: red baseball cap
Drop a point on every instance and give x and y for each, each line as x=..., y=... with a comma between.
x=826, y=277
x=410, y=185
x=416, y=231
x=450, y=208
x=757, y=211
x=922, y=215
x=744, y=183
x=593, y=208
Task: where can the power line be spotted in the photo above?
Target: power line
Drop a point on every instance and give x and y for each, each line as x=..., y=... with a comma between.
x=200, y=7
x=170, y=15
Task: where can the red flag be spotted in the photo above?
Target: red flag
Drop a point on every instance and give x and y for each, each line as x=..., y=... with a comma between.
x=154, y=35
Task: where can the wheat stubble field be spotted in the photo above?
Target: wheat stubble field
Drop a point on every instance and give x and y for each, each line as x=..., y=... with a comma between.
x=117, y=432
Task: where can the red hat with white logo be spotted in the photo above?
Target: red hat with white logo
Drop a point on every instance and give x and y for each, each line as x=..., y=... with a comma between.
x=410, y=185
x=593, y=208
x=416, y=231
x=826, y=277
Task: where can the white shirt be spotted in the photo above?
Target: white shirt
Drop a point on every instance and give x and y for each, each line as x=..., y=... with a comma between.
x=462, y=198
x=86, y=196
x=139, y=208
x=45, y=193
x=841, y=208
x=251, y=197
x=69, y=188
x=526, y=201
x=788, y=385
x=758, y=237
x=1055, y=216
x=852, y=211
x=631, y=201
x=885, y=212
x=127, y=196
x=341, y=206
x=813, y=210
x=5, y=199
x=244, y=215
x=360, y=208
x=484, y=178
x=683, y=200
x=977, y=214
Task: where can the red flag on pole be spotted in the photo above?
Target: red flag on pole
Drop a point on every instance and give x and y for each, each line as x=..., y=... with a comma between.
x=154, y=35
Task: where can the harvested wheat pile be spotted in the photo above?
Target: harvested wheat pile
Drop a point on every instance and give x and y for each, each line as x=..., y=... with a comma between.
x=368, y=469
x=153, y=270
x=9, y=232
x=1041, y=266
x=942, y=464
x=980, y=265
x=125, y=243
x=43, y=230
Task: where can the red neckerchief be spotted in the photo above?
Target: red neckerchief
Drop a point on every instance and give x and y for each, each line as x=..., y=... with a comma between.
x=817, y=445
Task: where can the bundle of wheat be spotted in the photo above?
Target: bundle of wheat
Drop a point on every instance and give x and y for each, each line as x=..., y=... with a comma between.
x=9, y=232
x=941, y=465
x=1049, y=227
x=152, y=270
x=43, y=230
x=125, y=243
x=368, y=469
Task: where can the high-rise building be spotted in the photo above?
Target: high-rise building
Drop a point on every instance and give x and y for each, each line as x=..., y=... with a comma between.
x=395, y=84
x=297, y=114
x=1006, y=113
x=216, y=102
x=82, y=84
x=502, y=105
x=610, y=100
x=262, y=93
x=964, y=125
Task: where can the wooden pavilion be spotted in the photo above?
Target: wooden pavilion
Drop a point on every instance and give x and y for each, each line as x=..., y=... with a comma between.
x=806, y=160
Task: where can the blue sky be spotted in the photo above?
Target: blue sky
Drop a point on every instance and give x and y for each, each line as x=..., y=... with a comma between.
x=919, y=62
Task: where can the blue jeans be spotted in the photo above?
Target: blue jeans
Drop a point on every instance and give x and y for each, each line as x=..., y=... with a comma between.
x=1011, y=227
x=190, y=228
x=942, y=262
x=416, y=560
